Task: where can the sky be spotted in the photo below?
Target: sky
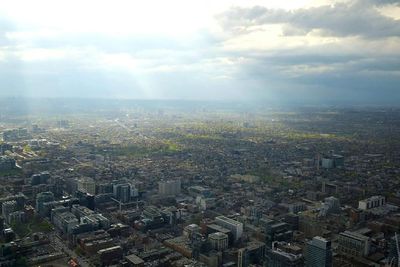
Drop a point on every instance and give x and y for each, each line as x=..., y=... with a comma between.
x=305, y=51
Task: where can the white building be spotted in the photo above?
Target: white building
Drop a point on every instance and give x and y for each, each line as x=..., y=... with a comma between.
x=234, y=226
x=372, y=202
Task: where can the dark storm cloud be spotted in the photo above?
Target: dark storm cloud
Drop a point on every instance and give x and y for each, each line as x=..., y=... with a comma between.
x=351, y=80
x=357, y=18
x=199, y=66
x=384, y=2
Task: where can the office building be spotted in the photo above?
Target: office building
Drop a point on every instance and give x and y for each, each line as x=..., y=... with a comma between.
x=110, y=255
x=279, y=258
x=333, y=204
x=172, y=187
x=7, y=208
x=219, y=241
x=372, y=202
x=252, y=254
x=319, y=253
x=234, y=226
x=277, y=231
x=7, y=163
x=122, y=192
x=332, y=161
x=65, y=221
x=353, y=244
x=41, y=199
x=87, y=185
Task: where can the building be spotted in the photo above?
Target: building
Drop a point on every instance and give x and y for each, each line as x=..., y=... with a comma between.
x=353, y=244
x=280, y=258
x=134, y=261
x=110, y=255
x=41, y=178
x=17, y=217
x=104, y=188
x=7, y=208
x=167, y=188
x=372, y=202
x=87, y=185
x=41, y=199
x=124, y=192
x=319, y=253
x=332, y=161
x=297, y=207
x=393, y=255
x=277, y=231
x=218, y=241
x=253, y=253
x=234, y=226
x=190, y=230
x=7, y=163
x=214, y=228
x=65, y=221
x=197, y=190
x=5, y=147
x=333, y=204
x=15, y=134
x=205, y=203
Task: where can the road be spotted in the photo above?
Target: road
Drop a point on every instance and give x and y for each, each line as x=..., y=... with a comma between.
x=61, y=245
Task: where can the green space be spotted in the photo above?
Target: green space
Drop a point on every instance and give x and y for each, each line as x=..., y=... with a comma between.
x=34, y=225
x=135, y=151
x=13, y=172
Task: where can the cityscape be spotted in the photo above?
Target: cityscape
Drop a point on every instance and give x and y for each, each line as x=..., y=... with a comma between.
x=213, y=133
x=200, y=185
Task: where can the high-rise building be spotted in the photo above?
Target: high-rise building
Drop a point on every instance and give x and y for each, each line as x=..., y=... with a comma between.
x=333, y=204
x=41, y=178
x=172, y=187
x=124, y=192
x=87, y=185
x=7, y=208
x=104, y=188
x=253, y=253
x=42, y=198
x=393, y=255
x=234, y=226
x=219, y=241
x=319, y=253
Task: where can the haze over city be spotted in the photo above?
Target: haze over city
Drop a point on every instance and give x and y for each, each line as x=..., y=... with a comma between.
x=180, y=133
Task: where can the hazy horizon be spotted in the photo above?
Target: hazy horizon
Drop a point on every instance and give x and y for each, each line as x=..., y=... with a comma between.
x=283, y=52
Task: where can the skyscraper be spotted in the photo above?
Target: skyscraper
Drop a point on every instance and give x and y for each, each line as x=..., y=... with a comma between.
x=172, y=187
x=319, y=253
x=42, y=198
x=87, y=185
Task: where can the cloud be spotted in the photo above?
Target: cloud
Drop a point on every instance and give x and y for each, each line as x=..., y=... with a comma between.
x=5, y=26
x=343, y=50
x=355, y=18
